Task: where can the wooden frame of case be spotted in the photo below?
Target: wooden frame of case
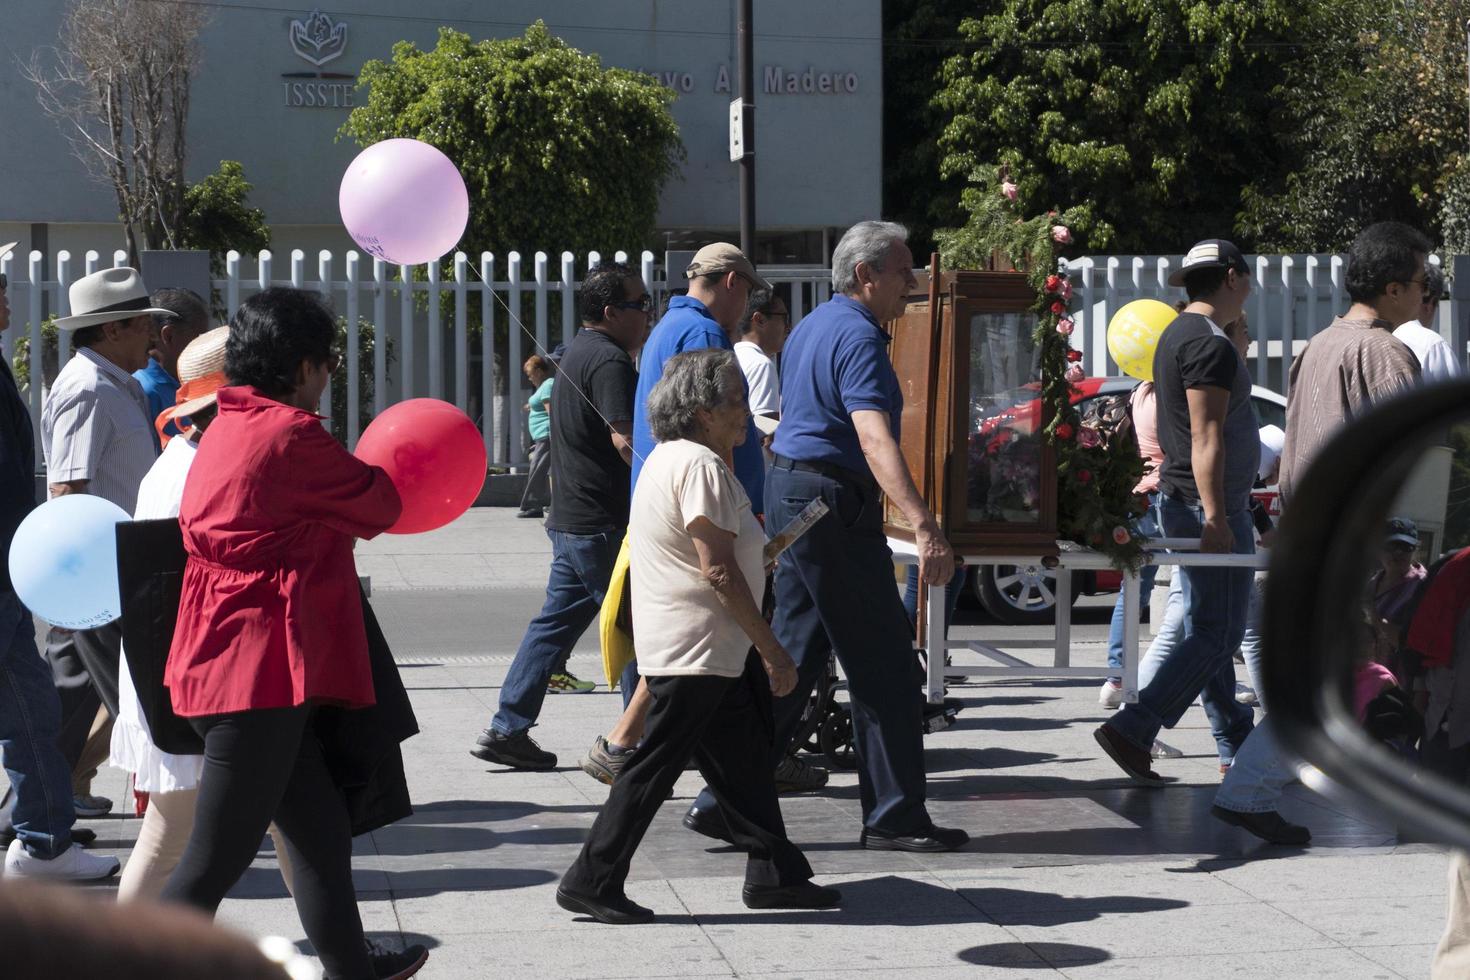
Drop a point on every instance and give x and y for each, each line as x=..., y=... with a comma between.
x=931, y=354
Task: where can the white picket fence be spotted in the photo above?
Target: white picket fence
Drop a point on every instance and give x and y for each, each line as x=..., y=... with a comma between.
x=434, y=358
x=1294, y=296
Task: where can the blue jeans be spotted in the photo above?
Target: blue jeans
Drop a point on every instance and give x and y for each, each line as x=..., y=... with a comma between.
x=581, y=567
x=1251, y=644
x=30, y=722
x=1215, y=601
x=1218, y=696
x=1254, y=783
x=1148, y=527
x=847, y=606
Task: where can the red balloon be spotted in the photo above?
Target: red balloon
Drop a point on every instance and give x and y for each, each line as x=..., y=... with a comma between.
x=435, y=457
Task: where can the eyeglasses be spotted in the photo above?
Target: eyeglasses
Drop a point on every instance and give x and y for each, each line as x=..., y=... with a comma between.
x=1416, y=281
x=4, y=282
x=643, y=304
x=334, y=360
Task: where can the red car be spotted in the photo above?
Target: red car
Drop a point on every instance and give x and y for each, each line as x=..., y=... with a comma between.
x=1026, y=594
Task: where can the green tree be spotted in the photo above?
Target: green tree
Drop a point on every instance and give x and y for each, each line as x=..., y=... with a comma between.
x=1369, y=124
x=918, y=35
x=216, y=217
x=557, y=150
x=1148, y=111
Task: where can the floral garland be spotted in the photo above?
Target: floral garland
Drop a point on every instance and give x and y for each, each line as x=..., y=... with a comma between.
x=1098, y=464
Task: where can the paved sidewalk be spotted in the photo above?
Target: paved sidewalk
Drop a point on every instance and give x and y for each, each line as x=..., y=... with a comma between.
x=1071, y=873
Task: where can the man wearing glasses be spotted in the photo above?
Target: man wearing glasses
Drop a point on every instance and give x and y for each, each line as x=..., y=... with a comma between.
x=591, y=448
x=1356, y=362
x=762, y=335
x=722, y=281
x=1437, y=359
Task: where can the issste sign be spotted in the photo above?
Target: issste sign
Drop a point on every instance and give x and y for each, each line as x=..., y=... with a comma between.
x=318, y=40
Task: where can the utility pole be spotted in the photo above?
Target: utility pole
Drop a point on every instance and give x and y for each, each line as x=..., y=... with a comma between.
x=746, y=123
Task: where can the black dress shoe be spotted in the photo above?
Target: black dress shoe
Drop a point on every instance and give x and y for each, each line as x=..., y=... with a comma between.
x=803, y=896
x=709, y=822
x=614, y=911
x=1268, y=825
x=932, y=839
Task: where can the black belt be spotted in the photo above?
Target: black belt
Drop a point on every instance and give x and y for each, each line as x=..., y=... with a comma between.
x=830, y=470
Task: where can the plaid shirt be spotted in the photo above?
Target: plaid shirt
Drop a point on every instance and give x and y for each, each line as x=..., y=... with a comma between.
x=1344, y=371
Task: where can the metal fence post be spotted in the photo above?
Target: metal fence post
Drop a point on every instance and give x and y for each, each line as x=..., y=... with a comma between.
x=461, y=333
x=405, y=340
x=489, y=417
x=569, y=296
x=514, y=412
x=1459, y=325
x=436, y=335
x=354, y=357
x=380, y=336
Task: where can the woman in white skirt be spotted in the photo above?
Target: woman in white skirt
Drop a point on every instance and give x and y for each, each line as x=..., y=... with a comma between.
x=171, y=781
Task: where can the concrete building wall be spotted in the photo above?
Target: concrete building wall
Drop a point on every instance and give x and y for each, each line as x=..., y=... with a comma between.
x=818, y=91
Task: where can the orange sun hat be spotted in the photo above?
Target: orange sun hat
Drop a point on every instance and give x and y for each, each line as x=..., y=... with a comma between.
x=201, y=374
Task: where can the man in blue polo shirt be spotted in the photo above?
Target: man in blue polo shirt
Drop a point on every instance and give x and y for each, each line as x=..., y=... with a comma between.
x=721, y=280
x=186, y=319
x=838, y=441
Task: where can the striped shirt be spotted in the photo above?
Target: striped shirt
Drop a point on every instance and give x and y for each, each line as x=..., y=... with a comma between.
x=95, y=427
x=1344, y=371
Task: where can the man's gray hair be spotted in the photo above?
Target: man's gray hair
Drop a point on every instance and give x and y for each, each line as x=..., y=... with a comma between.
x=693, y=380
x=866, y=241
x=1433, y=281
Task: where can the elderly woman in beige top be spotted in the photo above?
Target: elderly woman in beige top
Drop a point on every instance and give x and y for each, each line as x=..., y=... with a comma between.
x=710, y=661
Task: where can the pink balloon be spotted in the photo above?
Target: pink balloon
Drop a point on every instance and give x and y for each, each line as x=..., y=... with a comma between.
x=404, y=201
x=435, y=457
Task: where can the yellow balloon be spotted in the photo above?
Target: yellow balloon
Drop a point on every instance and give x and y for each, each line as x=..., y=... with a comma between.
x=1133, y=334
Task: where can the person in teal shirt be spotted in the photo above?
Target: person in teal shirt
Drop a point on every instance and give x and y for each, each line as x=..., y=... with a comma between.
x=541, y=371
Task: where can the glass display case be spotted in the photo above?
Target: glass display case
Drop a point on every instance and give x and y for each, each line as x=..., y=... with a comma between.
x=973, y=415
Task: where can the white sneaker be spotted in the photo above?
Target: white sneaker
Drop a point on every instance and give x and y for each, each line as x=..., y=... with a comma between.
x=1111, y=694
x=1163, y=750
x=77, y=864
x=1245, y=694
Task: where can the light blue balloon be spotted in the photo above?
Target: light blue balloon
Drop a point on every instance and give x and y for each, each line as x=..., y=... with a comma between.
x=63, y=561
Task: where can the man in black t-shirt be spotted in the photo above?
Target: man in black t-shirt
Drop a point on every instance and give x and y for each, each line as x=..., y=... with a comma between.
x=1211, y=450
x=591, y=449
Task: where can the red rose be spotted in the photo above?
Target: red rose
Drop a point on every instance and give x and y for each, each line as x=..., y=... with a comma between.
x=1084, y=476
x=1053, y=283
x=1064, y=431
x=1059, y=307
x=1074, y=355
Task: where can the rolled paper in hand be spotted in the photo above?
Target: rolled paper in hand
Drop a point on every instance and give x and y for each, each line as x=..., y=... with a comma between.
x=800, y=524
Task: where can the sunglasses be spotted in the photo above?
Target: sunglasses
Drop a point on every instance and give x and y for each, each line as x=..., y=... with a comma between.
x=334, y=361
x=643, y=304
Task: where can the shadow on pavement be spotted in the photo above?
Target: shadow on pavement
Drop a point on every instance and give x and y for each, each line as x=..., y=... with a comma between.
x=1027, y=955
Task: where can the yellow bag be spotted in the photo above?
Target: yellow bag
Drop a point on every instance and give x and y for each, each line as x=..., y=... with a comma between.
x=615, y=622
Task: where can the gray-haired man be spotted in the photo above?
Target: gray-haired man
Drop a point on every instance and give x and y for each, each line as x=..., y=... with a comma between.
x=838, y=442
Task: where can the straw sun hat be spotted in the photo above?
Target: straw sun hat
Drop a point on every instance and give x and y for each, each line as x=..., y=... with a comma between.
x=201, y=374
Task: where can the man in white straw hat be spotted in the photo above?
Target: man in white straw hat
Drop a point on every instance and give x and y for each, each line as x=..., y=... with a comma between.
x=97, y=435
x=30, y=715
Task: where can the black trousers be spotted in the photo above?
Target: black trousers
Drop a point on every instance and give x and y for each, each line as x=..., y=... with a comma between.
x=724, y=723
x=264, y=765
x=538, y=482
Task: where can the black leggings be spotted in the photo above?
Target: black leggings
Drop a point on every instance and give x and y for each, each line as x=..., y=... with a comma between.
x=267, y=765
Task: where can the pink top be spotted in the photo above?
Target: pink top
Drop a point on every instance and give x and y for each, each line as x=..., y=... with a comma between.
x=1368, y=682
x=1145, y=411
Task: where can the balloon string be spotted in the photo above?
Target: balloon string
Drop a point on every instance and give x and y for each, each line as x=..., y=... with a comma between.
x=560, y=378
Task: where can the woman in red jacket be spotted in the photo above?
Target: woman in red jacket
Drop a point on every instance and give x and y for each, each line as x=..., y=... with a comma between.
x=270, y=620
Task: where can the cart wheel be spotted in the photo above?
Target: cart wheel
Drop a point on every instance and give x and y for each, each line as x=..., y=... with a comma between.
x=836, y=738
